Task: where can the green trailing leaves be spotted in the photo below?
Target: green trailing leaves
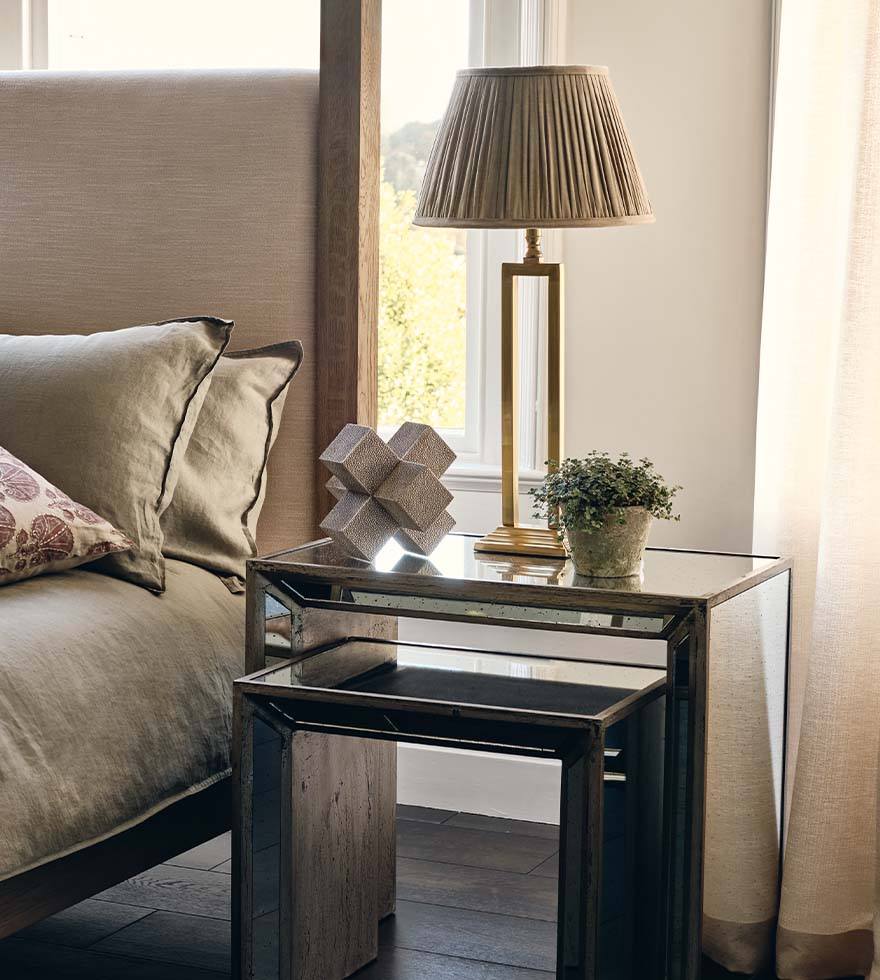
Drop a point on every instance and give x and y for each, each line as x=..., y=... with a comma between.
x=582, y=494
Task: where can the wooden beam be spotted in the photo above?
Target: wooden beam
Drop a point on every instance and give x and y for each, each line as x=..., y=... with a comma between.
x=348, y=220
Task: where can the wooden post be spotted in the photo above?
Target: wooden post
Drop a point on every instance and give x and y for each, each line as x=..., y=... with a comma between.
x=348, y=220
x=348, y=283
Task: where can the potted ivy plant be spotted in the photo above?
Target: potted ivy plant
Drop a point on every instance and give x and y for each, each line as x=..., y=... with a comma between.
x=603, y=508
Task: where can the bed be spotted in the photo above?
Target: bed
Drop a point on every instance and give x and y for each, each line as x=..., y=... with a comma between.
x=130, y=198
x=136, y=752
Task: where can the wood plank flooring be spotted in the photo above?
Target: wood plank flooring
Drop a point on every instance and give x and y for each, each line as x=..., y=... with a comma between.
x=475, y=902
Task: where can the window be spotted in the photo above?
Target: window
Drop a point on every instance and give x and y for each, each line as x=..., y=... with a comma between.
x=439, y=315
x=424, y=347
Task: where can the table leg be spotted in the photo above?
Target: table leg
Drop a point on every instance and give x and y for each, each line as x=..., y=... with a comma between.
x=331, y=892
x=256, y=857
x=580, y=860
x=311, y=628
x=685, y=797
x=644, y=829
x=242, y=790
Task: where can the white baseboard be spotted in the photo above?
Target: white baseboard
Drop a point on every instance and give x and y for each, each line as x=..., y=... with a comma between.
x=478, y=782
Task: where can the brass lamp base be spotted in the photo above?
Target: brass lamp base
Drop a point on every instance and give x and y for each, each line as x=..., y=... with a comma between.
x=511, y=538
x=520, y=540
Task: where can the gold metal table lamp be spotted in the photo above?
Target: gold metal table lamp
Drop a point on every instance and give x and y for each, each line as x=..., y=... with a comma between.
x=531, y=148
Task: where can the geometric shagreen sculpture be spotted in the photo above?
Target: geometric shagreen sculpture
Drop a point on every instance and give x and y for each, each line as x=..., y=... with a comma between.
x=385, y=490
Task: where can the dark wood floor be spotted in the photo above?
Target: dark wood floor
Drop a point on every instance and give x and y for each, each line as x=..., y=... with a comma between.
x=476, y=901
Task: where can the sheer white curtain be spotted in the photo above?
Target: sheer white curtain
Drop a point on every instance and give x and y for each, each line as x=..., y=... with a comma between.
x=818, y=470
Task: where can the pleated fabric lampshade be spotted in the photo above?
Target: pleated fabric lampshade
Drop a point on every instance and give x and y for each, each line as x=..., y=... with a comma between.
x=541, y=147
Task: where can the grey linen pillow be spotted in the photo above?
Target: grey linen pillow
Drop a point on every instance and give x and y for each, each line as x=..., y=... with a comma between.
x=212, y=518
x=108, y=416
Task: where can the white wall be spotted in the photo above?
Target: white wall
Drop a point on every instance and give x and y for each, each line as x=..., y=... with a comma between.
x=662, y=321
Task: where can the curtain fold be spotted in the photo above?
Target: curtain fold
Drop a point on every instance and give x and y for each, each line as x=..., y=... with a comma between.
x=817, y=493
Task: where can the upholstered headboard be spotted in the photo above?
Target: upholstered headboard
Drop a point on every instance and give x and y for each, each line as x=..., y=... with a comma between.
x=131, y=197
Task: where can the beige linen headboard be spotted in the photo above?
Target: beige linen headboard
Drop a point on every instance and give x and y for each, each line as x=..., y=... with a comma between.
x=132, y=197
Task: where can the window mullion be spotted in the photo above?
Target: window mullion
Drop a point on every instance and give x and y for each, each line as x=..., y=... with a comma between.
x=542, y=34
x=37, y=23
x=521, y=32
x=495, y=34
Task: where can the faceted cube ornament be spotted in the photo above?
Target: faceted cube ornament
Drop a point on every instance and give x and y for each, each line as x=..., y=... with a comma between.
x=420, y=444
x=415, y=565
x=387, y=490
x=413, y=496
x=359, y=526
x=336, y=487
x=359, y=459
x=424, y=542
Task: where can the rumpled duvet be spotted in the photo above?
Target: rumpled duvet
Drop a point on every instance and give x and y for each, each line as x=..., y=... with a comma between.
x=114, y=703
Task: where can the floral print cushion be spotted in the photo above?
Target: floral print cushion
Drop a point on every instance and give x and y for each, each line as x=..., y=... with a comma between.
x=42, y=529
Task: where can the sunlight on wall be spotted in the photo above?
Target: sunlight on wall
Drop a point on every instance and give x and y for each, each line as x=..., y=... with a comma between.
x=194, y=34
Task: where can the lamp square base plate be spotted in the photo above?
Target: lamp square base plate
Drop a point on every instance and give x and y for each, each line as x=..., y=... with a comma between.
x=506, y=540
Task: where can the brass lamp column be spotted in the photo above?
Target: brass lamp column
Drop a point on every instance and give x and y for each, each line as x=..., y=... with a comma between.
x=531, y=148
x=511, y=537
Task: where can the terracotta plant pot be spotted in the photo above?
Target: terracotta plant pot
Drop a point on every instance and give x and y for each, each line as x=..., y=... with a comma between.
x=613, y=550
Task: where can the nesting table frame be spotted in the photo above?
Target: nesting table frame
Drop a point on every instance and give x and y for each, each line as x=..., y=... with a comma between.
x=331, y=598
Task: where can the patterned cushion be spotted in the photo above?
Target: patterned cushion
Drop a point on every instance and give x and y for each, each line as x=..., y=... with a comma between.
x=42, y=529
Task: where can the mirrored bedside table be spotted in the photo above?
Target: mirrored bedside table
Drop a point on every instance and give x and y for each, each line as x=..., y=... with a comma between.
x=339, y=690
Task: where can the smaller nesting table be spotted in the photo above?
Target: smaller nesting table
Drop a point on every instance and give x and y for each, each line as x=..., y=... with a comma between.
x=603, y=722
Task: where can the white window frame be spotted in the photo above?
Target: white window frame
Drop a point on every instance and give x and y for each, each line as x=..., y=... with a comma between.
x=23, y=34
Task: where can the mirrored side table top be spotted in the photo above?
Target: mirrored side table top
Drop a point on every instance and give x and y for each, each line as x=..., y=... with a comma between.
x=457, y=583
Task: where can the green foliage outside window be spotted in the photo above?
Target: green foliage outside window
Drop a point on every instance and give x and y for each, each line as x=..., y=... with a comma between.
x=422, y=297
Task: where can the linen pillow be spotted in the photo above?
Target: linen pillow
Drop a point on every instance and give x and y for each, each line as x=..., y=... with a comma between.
x=108, y=417
x=42, y=529
x=212, y=518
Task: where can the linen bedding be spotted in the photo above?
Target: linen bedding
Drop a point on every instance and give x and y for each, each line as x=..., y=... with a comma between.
x=114, y=703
